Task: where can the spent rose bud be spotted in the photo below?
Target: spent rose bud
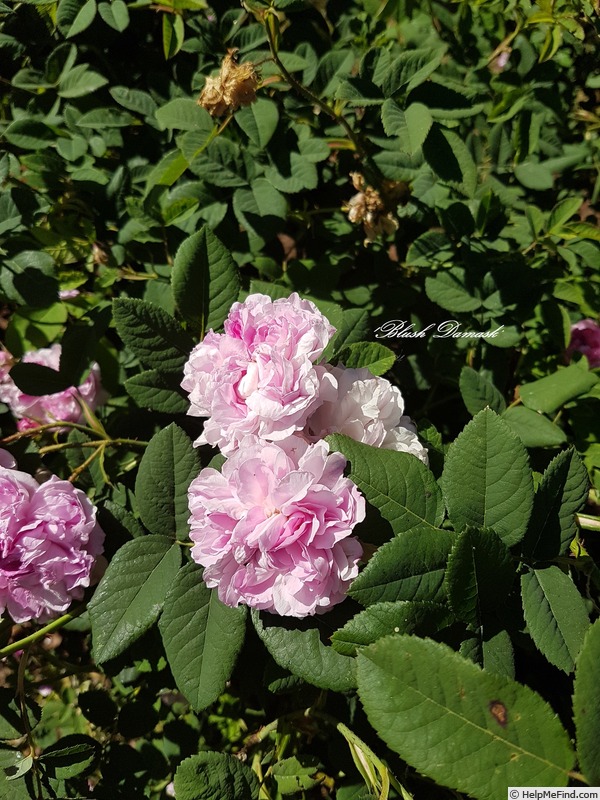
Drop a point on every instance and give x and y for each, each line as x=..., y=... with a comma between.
x=31, y=411
x=258, y=378
x=273, y=529
x=585, y=338
x=50, y=545
x=366, y=408
x=235, y=86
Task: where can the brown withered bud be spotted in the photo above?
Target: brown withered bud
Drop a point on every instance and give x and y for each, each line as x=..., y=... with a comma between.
x=369, y=208
x=235, y=86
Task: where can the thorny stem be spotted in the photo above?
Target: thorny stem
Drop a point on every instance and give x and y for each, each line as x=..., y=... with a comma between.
x=25, y=719
x=47, y=427
x=42, y=632
x=325, y=107
x=85, y=464
x=102, y=442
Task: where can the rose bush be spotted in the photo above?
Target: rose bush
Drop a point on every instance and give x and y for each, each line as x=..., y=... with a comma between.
x=349, y=197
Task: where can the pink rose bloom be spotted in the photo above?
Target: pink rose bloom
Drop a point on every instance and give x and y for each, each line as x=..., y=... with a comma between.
x=273, y=529
x=585, y=338
x=366, y=408
x=259, y=376
x=31, y=411
x=49, y=545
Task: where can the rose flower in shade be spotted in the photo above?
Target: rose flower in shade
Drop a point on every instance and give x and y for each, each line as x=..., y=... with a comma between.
x=366, y=408
x=273, y=529
x=258, y=377
x=585, y=338
x=31, y=411
x=49, y=544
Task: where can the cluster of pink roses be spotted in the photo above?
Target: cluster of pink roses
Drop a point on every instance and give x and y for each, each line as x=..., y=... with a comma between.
x=273, y=529
x=31, y=411
x=50, y=544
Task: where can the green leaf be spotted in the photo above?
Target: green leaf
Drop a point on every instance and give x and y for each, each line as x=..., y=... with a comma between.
x=101, y=118
x=84, y=18
x=486, y=481
x=381, y=619
x=478, y=392
x=375, y=357
x=115, y=14
x=205, y=280
x=354, y=328
x=173, y=31
x=154, y=336
x=121, y=520
x=70, y=756
x=562, y=212
x=556, y=616
x=464, y=728
x=157, y=391
x=418, y=124
x=215, y=776
x=392, y=118
x=168, y=466
x=562, y=492
x=171, y=167
x=30, y=134
x=131, y=594
x=398, y=484
x=586, y=706
x=261, y=210
x=133, y=99
x=292, y=173
x=80, y=81
x=409, y=567
x=11, y=720
x=10, y=217
x=72, y=149
x=37, y=379
x=220, y=162
x=296, y=646
x=29, y=280
x=550, y=393
x=410, y=69
x=259, y=121
x=450, y=159
x=533, y=429
x=533, y=175
x=293, y=776
x=10, y=789
x=202, y=637
x=479, y=575
x=448, y=290
x=579, y=230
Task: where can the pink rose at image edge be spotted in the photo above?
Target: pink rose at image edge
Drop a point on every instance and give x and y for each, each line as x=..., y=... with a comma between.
x=367, y=408
x=585, y=338
x=258, y=377
x=50, y=545
x=30, y=410
x=273, y=529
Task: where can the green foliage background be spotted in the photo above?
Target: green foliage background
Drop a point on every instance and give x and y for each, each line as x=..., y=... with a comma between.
x=478, y=123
